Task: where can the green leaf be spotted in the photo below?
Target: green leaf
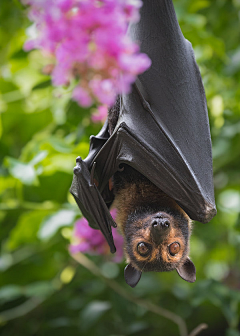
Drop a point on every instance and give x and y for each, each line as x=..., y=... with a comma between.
x=58, y=144
x=237, y=225
x=137, y=327
x=24, y=172
x=60, y=162
x=25, y=231
x=42, y=85
x=6, y=182
x=232, y=332
x=54, y=222
x=198, y=5
x=93, y=312
x=0, y=126
x=110, y=270
x=9, y=293
x=42, y=289
x=39, y=157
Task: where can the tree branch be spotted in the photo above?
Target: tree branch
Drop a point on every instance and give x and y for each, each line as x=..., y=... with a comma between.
x=198, y=329
x=20, y=310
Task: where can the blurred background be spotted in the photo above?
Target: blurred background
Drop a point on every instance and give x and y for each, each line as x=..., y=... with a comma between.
x=43, y=290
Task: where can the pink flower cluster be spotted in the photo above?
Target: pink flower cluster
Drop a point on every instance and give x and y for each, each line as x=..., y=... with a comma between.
x=91, y=241
x=89, y=43
x=101, y=114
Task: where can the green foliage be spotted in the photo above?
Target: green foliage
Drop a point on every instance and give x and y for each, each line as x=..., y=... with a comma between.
x=43, y=291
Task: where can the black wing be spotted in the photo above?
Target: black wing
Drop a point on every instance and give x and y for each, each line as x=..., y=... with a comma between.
x=91, y=203
x=175, y=93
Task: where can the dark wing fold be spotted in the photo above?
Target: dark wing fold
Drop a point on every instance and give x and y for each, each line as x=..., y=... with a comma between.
x=91, y=203
x=96, y=143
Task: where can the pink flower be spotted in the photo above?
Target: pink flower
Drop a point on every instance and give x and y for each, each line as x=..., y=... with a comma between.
x=88, y=40
x=101, y=114
x=91, y=241
x=82, y=96
x=103, y=90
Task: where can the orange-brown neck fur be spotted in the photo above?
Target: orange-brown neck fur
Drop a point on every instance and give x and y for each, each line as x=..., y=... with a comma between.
x=135, y=195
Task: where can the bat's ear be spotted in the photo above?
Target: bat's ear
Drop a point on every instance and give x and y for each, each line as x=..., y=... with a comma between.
x=132, y=275
x=187, y=271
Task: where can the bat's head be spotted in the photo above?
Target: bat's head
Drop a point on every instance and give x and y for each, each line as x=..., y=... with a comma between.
x=156, y=230
x=159, y=242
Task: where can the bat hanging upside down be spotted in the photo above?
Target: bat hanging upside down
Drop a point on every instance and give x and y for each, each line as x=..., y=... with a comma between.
x=156, y=230
x=155, y=148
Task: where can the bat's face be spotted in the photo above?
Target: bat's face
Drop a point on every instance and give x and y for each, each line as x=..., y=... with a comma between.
x=157, y=242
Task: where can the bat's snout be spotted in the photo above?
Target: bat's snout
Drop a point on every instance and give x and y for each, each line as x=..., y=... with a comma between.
x=160, y=226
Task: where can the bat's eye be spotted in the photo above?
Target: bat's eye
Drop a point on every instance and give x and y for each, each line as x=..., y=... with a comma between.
x=143, y=249
x=174, y=248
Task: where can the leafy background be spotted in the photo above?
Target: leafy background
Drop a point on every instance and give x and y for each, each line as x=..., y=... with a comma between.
x=43, y=291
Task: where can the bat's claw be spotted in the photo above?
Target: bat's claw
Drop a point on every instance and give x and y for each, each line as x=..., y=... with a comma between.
x=77, y=170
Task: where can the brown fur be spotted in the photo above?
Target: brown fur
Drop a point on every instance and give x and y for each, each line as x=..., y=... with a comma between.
x=132, y=195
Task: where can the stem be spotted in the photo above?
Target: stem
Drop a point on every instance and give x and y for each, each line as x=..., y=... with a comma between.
x=198, y=329
x=20, y=310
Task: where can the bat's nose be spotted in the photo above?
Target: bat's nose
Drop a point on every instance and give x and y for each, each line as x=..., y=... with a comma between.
x=160, y=224
x=160, y=227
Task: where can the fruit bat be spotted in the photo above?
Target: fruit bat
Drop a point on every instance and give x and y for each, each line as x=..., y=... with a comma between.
x=155, y=150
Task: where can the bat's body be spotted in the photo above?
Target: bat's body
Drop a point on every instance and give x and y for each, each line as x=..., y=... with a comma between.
x=155, y=228
x=157, y=145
